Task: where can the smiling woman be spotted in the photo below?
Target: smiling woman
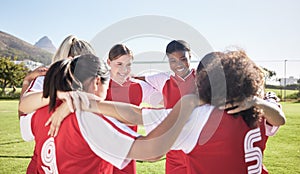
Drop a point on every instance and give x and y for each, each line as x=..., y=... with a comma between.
x=173, y=87
x=124, y=89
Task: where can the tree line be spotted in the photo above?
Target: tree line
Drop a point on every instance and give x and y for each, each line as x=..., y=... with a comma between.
x=12, y=75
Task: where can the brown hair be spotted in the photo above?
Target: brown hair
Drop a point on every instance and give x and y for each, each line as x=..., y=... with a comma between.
x=243, y=79
x=117, y=51
x=70, y=75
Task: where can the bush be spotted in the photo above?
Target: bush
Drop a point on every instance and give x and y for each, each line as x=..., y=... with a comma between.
x=10, y=96
x=294, y=96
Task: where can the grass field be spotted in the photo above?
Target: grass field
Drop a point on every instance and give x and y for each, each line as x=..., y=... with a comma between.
x=281, y=156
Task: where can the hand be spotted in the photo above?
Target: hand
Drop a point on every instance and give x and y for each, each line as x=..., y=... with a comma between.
x=72, y=99
x=61, y=112
x=83, y=100
x=77, y=99
x=57, y=117
x=237, y=107
x=66, y=97
x=40, y=71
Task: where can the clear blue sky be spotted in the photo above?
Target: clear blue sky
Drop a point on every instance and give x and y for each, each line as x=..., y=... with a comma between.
x=268, y=30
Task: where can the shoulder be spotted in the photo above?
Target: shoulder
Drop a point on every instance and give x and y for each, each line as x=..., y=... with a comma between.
x=37, y=84
x=163, y=76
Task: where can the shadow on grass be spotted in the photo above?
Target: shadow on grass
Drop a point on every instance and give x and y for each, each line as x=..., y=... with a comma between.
x=14, y=156
x=12, y=142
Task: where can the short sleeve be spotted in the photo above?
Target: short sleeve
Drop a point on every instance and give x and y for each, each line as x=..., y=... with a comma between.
x=25, y=127
x=270, y=129
x=188, y=137
x=150, y=95
x=36, y=85
x=153, y=117
x=189, y=134
x=108, y=138
x=158, y=81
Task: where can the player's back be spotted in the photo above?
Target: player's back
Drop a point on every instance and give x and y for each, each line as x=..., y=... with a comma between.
x=68, y=152
x=226, y=145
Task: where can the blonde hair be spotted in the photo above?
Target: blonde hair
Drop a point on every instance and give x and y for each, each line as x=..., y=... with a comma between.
x=71, y=47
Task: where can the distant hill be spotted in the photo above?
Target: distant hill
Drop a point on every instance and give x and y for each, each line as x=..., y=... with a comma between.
x=46, y=44
x=11, y=46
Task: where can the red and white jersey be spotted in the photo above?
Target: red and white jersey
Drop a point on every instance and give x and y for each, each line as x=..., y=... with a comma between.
x=84, y=141
x=172, y=87
x=215, y=142
x=132, y=91
x=36, y=85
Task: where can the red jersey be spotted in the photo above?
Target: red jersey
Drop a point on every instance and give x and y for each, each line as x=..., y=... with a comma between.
x=134, y=92
x=36, y=85
x=225, y=144
x=173, y=87
x=84, y=141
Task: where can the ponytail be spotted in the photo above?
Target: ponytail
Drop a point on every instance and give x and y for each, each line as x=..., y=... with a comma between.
x=70, y=75
x=59, y=77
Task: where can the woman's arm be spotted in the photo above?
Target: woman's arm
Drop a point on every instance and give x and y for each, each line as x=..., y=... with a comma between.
x=124, y=112
x=273, y=114
x=156, y=143
x=159, y=141
x=30, y=102
x=139, y=78
x=40, y=71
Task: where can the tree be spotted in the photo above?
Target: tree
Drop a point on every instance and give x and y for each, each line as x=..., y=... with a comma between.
x=269, y=73
x=298, y=81
x=12, y=74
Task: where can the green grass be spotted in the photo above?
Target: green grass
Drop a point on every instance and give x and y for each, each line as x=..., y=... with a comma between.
x=280, y=92
x=283, y=150
x=281, y=156
x=14, y=152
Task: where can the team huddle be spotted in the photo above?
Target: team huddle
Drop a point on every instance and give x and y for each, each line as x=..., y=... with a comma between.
x=83, y=113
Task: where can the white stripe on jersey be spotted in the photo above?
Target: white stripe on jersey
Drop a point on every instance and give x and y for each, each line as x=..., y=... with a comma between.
x=188, y=137
x=37, y=85
x=105, y=139
x=25, y=127
x=186, y=141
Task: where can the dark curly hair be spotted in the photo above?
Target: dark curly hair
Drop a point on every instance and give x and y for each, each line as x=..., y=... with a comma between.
x=231, y=77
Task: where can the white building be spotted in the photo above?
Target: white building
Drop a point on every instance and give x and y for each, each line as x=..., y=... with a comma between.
x=29, y=64
x=288, y=81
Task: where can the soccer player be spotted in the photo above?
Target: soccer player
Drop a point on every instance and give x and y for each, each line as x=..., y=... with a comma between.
x=69, y=48
x=85, y=139
x=123, y=88
x=33, y=82
x=218, y=141
x=173, y=87
x=234, y=139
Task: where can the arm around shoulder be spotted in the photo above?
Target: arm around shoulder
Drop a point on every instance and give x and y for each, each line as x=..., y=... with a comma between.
x=159, y=141
x=272, y=112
